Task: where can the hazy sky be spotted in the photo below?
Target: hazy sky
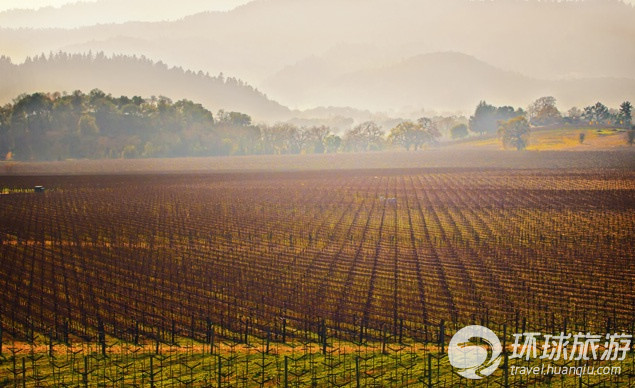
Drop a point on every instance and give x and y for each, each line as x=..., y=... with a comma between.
x=375, y=54
x=220, y=5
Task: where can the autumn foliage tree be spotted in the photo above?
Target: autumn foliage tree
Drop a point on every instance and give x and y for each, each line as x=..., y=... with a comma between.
x=514, y=133
x=315, y=138
x=487, y=116
x=413, y=135
x=366, y=136
x=543, y=111
x=596, y=114
x=459, y=131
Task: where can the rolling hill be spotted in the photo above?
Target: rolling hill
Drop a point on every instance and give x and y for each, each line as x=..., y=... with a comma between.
x=130, y=75
x=444, y=80
x=537, y=38
x=380, y=54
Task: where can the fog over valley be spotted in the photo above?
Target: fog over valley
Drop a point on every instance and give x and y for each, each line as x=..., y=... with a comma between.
x=395, y=56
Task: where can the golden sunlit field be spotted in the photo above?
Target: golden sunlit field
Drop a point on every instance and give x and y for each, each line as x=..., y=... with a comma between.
x=560, y=139
x=333, y=278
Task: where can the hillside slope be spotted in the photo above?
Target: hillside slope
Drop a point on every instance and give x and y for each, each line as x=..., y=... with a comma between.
x=125, y=75
x=444, y=80
x=537, y=38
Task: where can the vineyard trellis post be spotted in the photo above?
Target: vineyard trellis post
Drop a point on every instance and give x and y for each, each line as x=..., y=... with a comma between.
x=173, y=332
x=220, y=371
x=284, y=330
x=23, y=373
x=505, y=357
x=429, y=370
x=357, y=371
x=102, y=337
x=151, y=371
x=286, y=371
x=65, y=330
x=85, y=372
x=210, y=336
x=50, y=343
x=442, y=336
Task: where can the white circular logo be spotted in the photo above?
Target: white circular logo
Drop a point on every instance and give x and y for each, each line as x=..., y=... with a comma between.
x=471, y=359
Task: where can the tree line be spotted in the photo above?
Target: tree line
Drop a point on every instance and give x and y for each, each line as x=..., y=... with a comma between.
x=513, y=125
x=96, y=125
x=59, y=126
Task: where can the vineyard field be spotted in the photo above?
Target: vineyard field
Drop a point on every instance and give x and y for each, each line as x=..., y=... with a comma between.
x=348, y=257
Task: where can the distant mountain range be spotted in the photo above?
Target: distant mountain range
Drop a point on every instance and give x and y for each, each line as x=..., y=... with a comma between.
x=374, y=54
x=446, y=81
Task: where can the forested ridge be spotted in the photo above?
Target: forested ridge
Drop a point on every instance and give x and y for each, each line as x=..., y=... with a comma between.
x=133, y=75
